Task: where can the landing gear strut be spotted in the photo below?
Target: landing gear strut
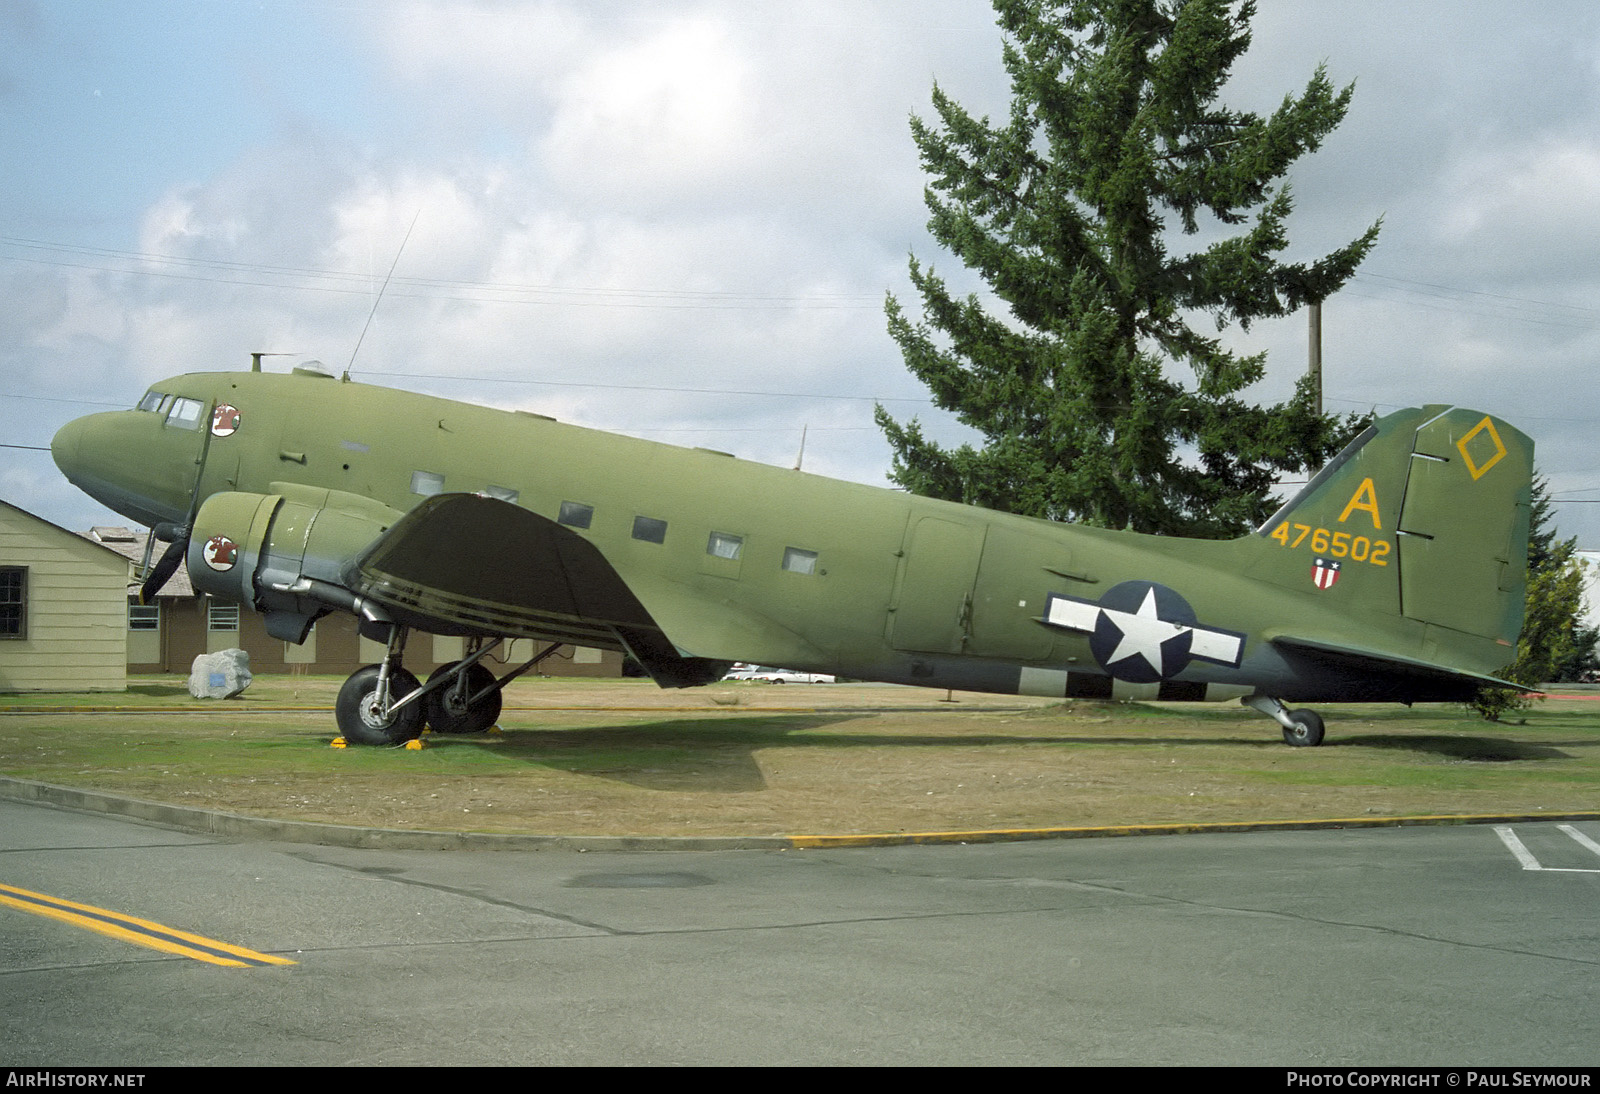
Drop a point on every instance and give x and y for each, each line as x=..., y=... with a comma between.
x=1301, y=728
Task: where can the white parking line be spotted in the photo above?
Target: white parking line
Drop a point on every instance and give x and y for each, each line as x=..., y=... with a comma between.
x=1520, y=851
x=1580, y=837
x=1515, y=846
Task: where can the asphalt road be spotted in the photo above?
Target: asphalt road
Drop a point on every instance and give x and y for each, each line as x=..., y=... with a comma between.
x=1428, y=946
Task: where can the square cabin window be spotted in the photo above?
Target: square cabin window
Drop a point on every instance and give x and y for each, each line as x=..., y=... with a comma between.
x=723, y=545
x=649, y=529
x=575, y=514
x=501, y=493
x=427, y=483
x=797, y=561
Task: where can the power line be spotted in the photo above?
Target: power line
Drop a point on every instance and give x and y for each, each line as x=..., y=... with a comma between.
x=647, y=387
x=311, y=279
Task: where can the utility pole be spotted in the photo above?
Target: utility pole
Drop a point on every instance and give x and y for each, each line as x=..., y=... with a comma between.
x=1314, y=339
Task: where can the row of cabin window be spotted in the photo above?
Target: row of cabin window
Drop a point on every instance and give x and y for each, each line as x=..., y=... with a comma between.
x=718, y=544
x=647, y=529
x=180, y=412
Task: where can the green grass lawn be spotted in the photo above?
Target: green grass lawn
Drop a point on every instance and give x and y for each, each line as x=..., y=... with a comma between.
x=622, y=757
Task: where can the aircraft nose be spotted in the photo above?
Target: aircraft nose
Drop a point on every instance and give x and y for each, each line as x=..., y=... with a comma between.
x=64, y=447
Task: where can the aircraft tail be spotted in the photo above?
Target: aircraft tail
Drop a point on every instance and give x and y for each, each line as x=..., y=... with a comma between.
x=1425, y=515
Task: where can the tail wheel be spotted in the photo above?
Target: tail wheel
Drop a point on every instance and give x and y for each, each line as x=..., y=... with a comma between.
x=448, y=710
x=357, y=709
x=1307, y=731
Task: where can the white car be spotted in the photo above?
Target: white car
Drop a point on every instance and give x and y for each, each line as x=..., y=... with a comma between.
x=777, y=676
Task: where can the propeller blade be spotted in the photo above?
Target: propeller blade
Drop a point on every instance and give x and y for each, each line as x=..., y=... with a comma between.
x=177, y=536
x=163, y=569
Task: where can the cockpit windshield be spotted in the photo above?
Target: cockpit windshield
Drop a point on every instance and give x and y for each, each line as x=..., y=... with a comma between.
x=152, y=400
x=185, y=413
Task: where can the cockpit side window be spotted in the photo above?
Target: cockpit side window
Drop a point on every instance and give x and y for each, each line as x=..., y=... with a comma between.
x=185, y=413
x=151, y=401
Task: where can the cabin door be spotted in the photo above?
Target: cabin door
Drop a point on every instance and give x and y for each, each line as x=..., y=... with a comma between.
x=933, y=604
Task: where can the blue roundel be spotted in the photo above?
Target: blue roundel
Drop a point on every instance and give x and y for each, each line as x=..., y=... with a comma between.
x=1144, y=632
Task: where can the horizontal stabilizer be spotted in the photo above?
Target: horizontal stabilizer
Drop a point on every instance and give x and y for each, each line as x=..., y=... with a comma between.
x=1369, y=660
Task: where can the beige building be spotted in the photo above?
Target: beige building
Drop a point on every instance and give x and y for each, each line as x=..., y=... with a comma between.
x=63, y=609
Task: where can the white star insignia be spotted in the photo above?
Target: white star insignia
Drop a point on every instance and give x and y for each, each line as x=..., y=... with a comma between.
x=1143, y=632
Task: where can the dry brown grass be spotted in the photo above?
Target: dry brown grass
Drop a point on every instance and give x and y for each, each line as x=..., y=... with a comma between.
x=622, y=757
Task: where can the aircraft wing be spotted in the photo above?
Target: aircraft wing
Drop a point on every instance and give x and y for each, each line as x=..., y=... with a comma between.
x=1370, y=660
x=479, y=565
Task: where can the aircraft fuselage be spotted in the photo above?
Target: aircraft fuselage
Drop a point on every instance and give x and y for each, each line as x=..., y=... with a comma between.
x=744, y=561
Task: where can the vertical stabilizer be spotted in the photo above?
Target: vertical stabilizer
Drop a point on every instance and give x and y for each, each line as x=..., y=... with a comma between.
x=1425, y=515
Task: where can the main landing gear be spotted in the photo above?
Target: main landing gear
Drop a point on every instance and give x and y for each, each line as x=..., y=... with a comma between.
x=384, y=704
x=1301, y=728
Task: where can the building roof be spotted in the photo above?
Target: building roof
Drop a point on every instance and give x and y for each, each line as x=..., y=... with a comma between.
x=130, y=545
x=40, y=520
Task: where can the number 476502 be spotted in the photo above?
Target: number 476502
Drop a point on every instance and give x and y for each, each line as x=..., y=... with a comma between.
x=1334, y=544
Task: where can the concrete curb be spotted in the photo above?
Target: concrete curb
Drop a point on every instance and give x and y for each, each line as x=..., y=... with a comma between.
x=209, y=822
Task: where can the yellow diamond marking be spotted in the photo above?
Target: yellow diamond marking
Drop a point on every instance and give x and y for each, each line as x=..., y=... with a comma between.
x=1476, y=470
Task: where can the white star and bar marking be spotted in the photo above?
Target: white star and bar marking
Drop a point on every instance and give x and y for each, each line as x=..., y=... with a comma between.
x=1144, y=632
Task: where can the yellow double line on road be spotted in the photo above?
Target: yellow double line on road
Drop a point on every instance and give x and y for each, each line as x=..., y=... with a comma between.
x=141, y=932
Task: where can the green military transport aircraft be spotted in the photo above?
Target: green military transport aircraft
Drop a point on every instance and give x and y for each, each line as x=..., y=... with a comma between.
x=1396, y=574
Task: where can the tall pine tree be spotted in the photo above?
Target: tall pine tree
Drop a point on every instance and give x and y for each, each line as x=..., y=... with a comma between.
x=1067, y=211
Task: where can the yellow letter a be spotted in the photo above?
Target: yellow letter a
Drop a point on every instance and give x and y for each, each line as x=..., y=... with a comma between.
x=1365, y=498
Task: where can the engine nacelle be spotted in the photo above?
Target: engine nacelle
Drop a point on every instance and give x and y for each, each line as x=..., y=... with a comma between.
x=285, y=554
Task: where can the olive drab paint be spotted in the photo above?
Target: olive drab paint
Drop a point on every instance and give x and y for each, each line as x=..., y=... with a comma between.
x=1397, y=573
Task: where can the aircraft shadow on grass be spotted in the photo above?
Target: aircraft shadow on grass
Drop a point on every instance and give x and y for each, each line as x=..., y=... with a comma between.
x=719, y=755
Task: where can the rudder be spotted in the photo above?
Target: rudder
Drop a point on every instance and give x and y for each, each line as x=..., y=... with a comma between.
x=1463, y=531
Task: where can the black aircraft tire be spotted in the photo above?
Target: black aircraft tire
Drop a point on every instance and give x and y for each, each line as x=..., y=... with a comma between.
x=359, y=723
x=443, y=714
x=1308, y=729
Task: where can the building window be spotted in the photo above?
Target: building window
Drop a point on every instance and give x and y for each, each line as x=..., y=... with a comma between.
x=797, y=561
x=145, y=617
x=222, y=617
x=650, y=529
x=427, y=483
x=576, y=514
x=13, y=602
x=723, y=545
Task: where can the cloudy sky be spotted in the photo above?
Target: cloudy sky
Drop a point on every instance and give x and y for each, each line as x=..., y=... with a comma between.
x=679, y=220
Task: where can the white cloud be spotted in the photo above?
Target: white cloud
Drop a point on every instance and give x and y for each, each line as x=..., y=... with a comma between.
x=1527, y=209
x=517, y=50
x=662, y=118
